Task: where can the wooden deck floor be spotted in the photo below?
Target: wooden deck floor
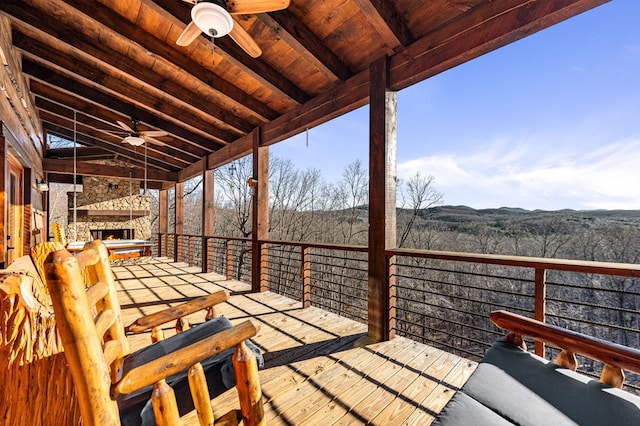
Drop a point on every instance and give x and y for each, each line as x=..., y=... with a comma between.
x=319, y=367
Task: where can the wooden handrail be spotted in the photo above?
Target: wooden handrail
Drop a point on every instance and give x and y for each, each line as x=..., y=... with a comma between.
x=586, y=266
x=147, y=322
x=578, y=343
x=168, y=365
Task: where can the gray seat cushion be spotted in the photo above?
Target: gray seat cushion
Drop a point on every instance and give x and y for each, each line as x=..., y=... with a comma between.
x=527, y=390
x=136, y=409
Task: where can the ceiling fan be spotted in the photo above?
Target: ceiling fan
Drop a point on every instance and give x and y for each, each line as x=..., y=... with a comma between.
x=214, y=18
x=136, y=138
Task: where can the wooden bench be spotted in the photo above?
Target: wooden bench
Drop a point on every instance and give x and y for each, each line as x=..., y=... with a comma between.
x=513, y=386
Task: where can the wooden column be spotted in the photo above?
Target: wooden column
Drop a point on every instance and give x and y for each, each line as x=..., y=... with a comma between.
x=179, y=221
x=260, y=217
x=382, y=201
x=3, y=191
x=163, y=222
x=208, y=183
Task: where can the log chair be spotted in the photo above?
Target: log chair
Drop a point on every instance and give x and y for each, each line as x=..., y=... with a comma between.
x=104, y=372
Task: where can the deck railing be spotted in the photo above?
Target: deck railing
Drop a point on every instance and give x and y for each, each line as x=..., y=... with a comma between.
x=440, y=298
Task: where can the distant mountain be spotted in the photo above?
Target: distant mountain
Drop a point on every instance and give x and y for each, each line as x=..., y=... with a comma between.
x=467, y=215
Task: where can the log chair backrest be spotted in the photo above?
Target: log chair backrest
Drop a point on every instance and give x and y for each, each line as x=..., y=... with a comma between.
x=90, y=326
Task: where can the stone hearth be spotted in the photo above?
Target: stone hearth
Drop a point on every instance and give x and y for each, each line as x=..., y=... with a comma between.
x=106, y=205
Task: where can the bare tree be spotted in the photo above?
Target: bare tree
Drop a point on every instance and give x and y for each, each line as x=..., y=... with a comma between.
x=234, y=197
x=419, y=195
x=353, y=192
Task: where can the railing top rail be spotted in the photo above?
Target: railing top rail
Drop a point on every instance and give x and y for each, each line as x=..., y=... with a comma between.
x=347, y=247
x=585, y=266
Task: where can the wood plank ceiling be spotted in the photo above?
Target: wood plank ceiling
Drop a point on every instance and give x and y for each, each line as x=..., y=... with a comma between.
x=109, y=60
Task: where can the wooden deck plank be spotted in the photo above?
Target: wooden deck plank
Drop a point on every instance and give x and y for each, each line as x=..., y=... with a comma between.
x=320, y=368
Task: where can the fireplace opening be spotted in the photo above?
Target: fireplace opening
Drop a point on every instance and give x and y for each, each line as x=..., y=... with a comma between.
x=111, y=234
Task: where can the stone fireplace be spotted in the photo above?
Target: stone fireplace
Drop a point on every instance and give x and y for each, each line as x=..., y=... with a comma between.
x=106, y=210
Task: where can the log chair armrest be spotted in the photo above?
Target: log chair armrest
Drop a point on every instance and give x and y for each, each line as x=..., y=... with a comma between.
x=158, y=318
x=163, y=367
x=609, y=353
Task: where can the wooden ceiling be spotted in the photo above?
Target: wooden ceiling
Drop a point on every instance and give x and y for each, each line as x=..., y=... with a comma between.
x=111, y=60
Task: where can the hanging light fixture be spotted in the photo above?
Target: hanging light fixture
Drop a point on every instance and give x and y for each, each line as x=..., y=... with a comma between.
x=212, y=18
x=134, y=140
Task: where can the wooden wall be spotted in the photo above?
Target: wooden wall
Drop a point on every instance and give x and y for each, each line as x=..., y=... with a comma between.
x=21, y=138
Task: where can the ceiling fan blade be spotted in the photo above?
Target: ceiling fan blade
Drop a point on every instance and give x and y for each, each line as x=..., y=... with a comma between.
x=245, y=41
x=124, y=126
x=153, y=141
x=154, y=133
x=188, y=35
x=190, y=1
x=256, y=6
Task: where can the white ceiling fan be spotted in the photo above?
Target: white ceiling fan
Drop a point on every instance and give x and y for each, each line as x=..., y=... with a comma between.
x=135, y=137
x=214, y=18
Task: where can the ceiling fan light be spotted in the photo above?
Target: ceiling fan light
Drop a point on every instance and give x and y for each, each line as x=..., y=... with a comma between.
x=134, y=140
x=212, y=19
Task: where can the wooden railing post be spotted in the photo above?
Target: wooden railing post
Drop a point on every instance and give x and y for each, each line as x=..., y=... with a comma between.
x=229, y=259
x=179, y=220
x=190, y=249
x=160, y=236
x=391, y=286
x=306, y=276
x=540, y=304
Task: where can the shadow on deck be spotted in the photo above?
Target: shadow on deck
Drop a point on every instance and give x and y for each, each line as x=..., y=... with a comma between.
x=320, y=368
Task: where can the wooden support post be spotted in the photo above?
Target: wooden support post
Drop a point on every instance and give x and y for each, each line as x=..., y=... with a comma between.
x=208, y=211
x=382, y=200
x=179, y=222
x=306, y=276
x=163, y=222
x=260, y=217
x=540, y=304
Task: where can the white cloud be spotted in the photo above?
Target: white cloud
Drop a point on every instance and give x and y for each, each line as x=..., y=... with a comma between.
x=536, y=175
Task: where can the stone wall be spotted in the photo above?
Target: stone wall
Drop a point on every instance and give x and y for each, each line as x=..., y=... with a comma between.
x=109, y=194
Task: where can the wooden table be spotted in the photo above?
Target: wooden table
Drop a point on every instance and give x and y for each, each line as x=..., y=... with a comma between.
x=119, y=249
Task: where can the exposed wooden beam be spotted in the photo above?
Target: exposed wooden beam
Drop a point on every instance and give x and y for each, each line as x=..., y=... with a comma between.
x=153, y=82
x=285, y=25
x=257, y=68
x=100, y=106
x=90, y=169
x=117, y=88
x=384, y=17
x=86, y=137
x=160, y=49
x=61, y=116
x=482, y=29
x=83, y=153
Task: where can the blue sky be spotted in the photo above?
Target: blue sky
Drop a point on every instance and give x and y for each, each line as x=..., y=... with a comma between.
x=549, y=122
